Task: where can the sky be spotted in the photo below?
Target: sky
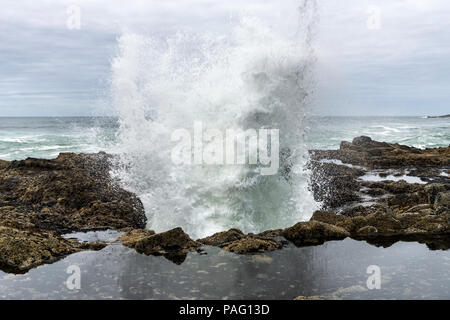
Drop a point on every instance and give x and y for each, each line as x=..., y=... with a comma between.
x=378, y=57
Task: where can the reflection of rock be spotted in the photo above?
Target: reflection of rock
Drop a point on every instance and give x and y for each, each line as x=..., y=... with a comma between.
x=173, y=244
x=339, y=294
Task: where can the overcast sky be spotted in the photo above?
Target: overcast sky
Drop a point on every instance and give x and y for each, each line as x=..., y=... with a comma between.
x=398, y=64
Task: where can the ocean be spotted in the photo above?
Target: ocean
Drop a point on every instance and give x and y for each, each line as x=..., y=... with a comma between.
x=46, y=137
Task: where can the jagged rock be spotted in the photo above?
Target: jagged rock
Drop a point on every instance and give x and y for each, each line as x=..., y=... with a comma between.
x=271, y=234
x=314, y=232
x=442, y=203
x=334, y=185
x=406, y=200
x=394, y=187
x=384, y=221
x=360, y=210
x=419, y=208
x=334, y=219
x=367, y=231
x=221, y=238
x=433, y=224
x=94, y=245
x=366, y=152
x=252, y=245
x=73, y=192
x=134, y=236
x=21, y=250
x=433, y=190
x=173, y=244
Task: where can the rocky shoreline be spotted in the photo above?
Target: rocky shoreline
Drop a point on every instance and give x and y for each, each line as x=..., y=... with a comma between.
x=372, y=191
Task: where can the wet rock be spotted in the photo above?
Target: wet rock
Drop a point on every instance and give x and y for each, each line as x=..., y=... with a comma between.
x=334, y=185
x=366, y=152
x=271, y=234
x=73, y=192
x=221, y=238
x=398, y=187
x=248, y=245
x=406, y=200
x=94, y=245
x=433, y=224
x=433, y=190
x=419, y=208
x=134, y=236
x=314, y=232
x=442, y=203
x=374, y=192
x=359, y=211
x=173, y=244
x=21, y=250
x=334, y=219
x=367, y=231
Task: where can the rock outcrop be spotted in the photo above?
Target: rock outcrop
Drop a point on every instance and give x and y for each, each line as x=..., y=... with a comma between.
x=21, y=250
x=42, y=199
x=73, y=192
x=314, y=233
x=173, y=244
x=364, y=151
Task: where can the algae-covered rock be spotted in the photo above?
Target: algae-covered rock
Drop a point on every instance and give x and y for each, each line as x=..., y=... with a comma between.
x=442, y=203
x=173, y=244
x=252, y=245
x=73, y=192
x=223, y=237
x=21, y=250
x=314, y=232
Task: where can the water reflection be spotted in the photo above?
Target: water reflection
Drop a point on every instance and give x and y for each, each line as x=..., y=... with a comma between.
x=335, y=270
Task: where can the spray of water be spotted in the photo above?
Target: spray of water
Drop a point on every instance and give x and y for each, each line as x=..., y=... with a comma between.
x=253, y=79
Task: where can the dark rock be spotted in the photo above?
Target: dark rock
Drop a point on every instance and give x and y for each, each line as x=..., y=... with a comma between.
x=221, y=238
x=366, y=152
x=334, y=185
x=94, y=245
x=21, y=250
x=433, y=190
x=313, y=233
x=442, y=203
x=73, y=192
x=173, y=244
x=367, y=231
x=248, y=245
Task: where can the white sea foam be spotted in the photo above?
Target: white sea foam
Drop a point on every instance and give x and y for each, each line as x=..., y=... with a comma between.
x=254, y=79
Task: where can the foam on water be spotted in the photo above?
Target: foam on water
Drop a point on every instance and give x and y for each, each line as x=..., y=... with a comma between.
x=254, y=78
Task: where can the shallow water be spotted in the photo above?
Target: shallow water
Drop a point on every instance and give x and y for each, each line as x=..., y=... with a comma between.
x=337, y=269
x=377, y=178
